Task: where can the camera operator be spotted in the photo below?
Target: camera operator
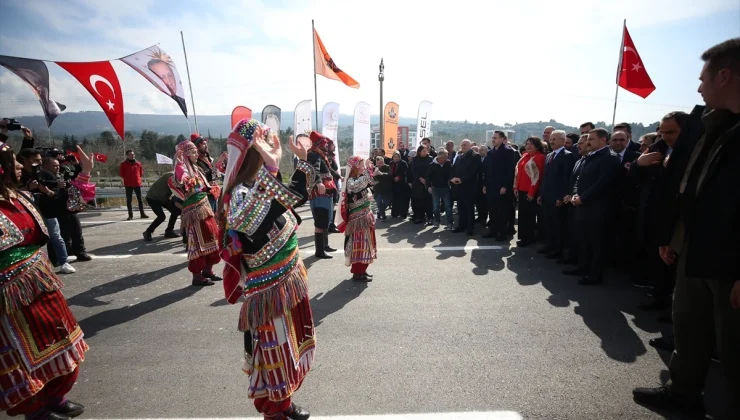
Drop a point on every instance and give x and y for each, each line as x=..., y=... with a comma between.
x=69, y=223
x=11, y=124
x=51, y=205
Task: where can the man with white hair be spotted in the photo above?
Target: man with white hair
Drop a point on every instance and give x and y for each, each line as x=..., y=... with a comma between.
x=464, y=180
x=555, y=183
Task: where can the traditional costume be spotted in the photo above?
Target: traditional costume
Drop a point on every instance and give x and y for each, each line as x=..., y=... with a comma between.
x=322, y=204
x=41, y=344
x=197, y=221
x=263, y=263
x=358, y=224
x=205, y=163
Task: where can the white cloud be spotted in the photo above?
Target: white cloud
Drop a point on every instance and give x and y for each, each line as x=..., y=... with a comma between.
x=496, y=61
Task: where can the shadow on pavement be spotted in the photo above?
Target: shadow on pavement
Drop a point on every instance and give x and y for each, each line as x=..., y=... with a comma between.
x=139, y=246
x=325, y=304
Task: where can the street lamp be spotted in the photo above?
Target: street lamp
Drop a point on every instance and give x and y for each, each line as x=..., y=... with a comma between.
x=381, y=78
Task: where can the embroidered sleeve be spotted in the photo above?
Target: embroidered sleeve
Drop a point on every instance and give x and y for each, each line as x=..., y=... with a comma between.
x=249, y=207
x=355, y=185
x=307, y=176
x=10, y=235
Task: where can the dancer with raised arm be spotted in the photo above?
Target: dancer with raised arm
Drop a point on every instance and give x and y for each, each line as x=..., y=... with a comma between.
x=200, y=232
x=263, y=264
x=41, y=344
x=358, y=224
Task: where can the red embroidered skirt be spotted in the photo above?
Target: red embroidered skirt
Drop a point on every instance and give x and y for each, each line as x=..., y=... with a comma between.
x=38, y=343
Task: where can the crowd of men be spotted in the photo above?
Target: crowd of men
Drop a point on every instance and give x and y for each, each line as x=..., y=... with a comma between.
x=663, y=208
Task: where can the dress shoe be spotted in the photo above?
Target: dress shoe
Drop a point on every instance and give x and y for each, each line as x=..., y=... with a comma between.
x=296, y=412
x=211, y=276
x=200, y=281
x=663, y=343
x=369, y=275
x=333, y=229
x=361, y=277
x=170, y=234
x=574, y=271
x=83, y=256
x=70, y=409
x=130, y=217
x=147, y=236
x=144, y=216
x=56, y=416
x=661, y=397
x=589, y=281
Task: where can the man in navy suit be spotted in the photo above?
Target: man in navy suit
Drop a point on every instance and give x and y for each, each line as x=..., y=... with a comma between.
x=555, y=183
x=627, y=199
x=594, y=199
x=498, y=185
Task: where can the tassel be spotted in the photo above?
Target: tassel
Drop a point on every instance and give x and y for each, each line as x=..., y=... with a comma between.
x=23, y=288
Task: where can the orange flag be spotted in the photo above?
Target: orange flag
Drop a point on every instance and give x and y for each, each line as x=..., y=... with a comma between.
x=324, y=65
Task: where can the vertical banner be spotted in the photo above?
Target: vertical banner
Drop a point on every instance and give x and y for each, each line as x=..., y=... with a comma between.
x=302, y=121
x=330, y=125
x=423, y=122
x=271, y=118
x=240, y=113
x=361, y=137
x=390, y=128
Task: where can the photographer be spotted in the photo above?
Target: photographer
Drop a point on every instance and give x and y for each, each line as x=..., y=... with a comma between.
x=69, y=223
x=11, y=124
x=51, y=206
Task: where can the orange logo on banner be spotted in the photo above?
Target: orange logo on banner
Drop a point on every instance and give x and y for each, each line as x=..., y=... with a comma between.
x=390, y=128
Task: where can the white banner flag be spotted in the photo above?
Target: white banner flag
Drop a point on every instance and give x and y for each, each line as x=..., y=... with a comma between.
x=164, y=160
x=361, y=141
x=302, y=120
x=330, y=124
x=423, y=122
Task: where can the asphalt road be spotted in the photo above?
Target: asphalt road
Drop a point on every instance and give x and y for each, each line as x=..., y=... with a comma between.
x=450, y=324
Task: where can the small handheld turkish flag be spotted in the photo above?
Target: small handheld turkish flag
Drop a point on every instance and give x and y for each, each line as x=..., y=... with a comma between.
x=99, y=78
x=99, y=157
x=632, y=75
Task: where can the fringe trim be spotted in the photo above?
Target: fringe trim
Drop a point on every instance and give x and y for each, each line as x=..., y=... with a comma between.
x=366, y=221
x=262, y=307
x=26, y=286
x=199, y=211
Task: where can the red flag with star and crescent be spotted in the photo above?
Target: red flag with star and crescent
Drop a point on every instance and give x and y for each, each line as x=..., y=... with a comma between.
x=101, y=81
x=633, y=76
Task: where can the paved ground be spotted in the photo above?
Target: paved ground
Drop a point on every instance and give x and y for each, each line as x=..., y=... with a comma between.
x=450, y=325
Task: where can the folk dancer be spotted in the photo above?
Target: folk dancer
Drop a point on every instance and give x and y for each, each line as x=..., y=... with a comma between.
x=322, y=195
x=197, y=220
x=41, y=344
x=263, y=263
x=358, y=224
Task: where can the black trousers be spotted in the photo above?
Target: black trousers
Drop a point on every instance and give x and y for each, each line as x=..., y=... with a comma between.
x=71, y=229
x=593, y=247
x=466, y=212
x=481, y=207
x=527, y=218
x=157, y=208
x=422, y=207
x=401, y=197
x=129, y=197
x=574, y=233
x=555, y=222
x=500, y=207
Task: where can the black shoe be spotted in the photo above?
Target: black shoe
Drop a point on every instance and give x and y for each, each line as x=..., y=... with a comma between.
x=171, y=234
x=318, y=240
x=590, y=281
x=147, y=236
x=211, y=276
x=144, y=216
x=663, y=343
x=56, y=416
x=362, y=277
x=661, y=397
x=333, y=229
x=369, y=275
x=82, y=257
x=199, y=280
x=130, y=217
x=296, y=412
x=69, y=409
x=574, y=271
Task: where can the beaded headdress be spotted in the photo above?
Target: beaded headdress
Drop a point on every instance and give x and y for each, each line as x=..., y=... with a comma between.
x=240, y=140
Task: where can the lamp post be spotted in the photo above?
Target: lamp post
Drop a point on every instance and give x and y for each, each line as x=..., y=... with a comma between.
x=381, y=77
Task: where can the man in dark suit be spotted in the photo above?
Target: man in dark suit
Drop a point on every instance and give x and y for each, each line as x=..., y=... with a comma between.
x=574, y=227
x=627, y=199
x=594, y=199
x=498, y=182
x=627, y=128
x=464, y=182
x=555, y=183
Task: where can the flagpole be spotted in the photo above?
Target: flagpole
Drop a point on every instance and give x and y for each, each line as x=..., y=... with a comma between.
x=619, y=72
x=315, y=91
x=187, y=68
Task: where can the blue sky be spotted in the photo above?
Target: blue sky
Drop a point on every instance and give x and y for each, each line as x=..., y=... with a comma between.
x=495, y=61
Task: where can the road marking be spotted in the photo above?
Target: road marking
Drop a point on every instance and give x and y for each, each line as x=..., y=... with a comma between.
x=310, y=251
x=99, y=222
x=489, y=415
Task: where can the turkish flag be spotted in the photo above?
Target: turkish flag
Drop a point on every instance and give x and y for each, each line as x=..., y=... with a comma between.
x=99, y=157
x=101, y=81
x=632, y=75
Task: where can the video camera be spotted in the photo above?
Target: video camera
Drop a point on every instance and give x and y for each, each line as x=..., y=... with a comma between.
x=51, y=152
x=12, y=124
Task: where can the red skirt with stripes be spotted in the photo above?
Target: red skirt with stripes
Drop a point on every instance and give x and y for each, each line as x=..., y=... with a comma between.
x=38, y=343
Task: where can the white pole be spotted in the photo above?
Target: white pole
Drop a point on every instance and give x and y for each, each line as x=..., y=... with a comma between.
x=187, y=68
x=619, y=72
